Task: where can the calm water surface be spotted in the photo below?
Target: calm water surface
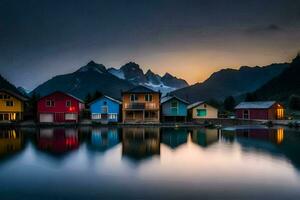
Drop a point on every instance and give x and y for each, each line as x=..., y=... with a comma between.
x=111, y=163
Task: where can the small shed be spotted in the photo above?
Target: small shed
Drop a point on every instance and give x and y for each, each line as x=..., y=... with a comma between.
x=105, y=109
x=262, y=110
x=202, y=110
x=173, y=109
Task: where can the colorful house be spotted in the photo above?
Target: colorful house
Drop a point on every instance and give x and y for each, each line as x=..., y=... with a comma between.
x=263, y=110
x=202, y=110
x=59, y=107
x=173, y=108
x=141, y=104
x=11, y=105
x=105, y=109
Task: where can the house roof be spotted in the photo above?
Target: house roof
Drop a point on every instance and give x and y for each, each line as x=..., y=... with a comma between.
x=13, y=93
x=255, y=105
x=193, y=105
x=80, y=100
x=140, y=89
x=104, y=96
x=167, y=98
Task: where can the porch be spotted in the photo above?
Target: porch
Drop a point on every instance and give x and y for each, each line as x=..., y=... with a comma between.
x=141, y=116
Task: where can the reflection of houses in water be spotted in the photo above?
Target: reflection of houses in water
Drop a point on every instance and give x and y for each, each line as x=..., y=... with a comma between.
x=262, y=139
x=11, y=140
x=104, y=138
x=58, y=140
x=273, y=135
x=204, y=137
x=139, y=143
x=174, y=137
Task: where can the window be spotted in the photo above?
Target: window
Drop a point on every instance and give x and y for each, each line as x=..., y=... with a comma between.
x=68, y=103
x=148, y=97
x=49, y=103
x=112, y=116
x=174, y=106
x=201, y=112
x=5, y=96
x=9, y=103
x=246, y=114
x=133, y=97
x=105, y=103
x=104, y=109
x=1, y=96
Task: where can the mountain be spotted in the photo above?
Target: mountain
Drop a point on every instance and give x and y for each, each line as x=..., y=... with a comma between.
x=228, y=82
x=6, y=85
x=23, y=91
x=134, y=74
x=282, y=86
x=86, y=80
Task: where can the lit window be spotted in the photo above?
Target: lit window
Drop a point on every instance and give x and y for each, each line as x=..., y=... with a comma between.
x=201, y=112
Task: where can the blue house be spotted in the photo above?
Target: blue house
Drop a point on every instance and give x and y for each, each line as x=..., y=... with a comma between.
x=105, y=109
x=173, y=109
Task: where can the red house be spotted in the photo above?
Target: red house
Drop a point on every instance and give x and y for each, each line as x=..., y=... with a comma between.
x=264, y=110
x=59, y=107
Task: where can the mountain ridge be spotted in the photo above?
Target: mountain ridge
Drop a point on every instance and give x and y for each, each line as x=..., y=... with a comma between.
x=230, y=82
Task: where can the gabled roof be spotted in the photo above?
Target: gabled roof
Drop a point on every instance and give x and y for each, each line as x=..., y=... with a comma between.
x=168, y=98
x=140, y=89
x=193, y=105
x=255, y=105
x=13, y=93
x=104, y=96
x=65, y=93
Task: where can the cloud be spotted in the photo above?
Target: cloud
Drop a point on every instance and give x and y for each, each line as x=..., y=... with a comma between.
x=271, y=28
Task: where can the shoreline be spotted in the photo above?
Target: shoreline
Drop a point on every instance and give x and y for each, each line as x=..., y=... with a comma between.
x=199, y=123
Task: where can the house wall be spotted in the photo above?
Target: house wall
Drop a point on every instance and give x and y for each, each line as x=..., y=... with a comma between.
x=167, y=109
x=263, y=114
x=212, y=112
x=113, y=107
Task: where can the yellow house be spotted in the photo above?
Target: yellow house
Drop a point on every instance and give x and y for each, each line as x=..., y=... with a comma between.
x=201, y=110
x=11, y=105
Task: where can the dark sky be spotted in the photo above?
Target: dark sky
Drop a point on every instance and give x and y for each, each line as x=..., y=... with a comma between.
x=190, y=39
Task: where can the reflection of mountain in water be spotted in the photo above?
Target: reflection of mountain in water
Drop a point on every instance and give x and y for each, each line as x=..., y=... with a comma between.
x=58, y=140
x=103, y=139
x=139, y=143
x=204, y=137
x=174, y=137
x=277, y=142
x=11, y=141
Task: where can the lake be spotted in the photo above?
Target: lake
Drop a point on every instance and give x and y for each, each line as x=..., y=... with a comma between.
x=148, y=163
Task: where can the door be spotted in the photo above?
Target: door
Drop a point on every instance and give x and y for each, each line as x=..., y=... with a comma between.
x=46, y=118
x=71, y=116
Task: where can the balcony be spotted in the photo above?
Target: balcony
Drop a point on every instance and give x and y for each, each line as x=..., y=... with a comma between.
x=140, y=106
